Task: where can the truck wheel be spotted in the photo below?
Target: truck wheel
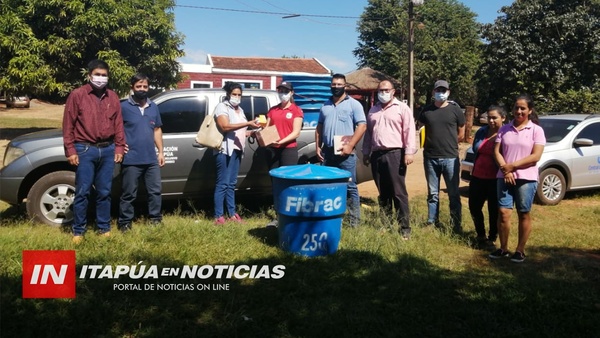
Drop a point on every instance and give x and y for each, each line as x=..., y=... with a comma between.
x=552, y=187
x=51, y=198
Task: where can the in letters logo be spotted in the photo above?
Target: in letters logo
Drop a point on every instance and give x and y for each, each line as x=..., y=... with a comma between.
x=49, y=274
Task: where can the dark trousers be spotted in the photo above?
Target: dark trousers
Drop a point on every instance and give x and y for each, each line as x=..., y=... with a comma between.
x=131, y=175
x=279, y=157
x=389, y=173
x=481, y=190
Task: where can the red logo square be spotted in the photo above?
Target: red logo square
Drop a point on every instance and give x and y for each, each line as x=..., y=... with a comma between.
x=48, y=274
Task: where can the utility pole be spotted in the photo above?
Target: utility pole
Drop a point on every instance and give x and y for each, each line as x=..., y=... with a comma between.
x=411, y=44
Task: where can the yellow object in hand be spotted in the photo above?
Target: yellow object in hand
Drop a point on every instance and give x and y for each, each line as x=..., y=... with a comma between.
x=262, y=120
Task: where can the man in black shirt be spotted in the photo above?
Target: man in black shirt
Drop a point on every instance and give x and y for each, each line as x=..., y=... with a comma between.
x=444, y=124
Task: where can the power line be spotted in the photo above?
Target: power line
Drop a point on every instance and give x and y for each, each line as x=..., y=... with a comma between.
x=310, y=20
x=269, y=13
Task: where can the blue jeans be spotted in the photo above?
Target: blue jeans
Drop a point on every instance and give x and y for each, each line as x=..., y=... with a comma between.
x=347, y=163
x=450, y=169
x=521, y=194
x=227, y=172
x=131, y=174
x=95, y=168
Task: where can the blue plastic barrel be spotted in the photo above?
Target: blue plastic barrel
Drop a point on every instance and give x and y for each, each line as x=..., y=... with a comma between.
x=310, y=201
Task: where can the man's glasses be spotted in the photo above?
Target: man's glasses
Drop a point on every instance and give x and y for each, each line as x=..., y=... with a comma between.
x=440, y=90
x=384, y=90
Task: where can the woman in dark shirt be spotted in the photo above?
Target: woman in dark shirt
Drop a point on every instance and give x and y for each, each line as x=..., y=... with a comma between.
x=483, y=178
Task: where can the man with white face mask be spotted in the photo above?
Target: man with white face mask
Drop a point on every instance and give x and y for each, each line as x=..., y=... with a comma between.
x=94, y=140
x=444, y=124
x=389, y=146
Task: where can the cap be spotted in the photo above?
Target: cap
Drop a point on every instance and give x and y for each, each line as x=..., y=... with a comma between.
x=286, y=85
x=441, y=83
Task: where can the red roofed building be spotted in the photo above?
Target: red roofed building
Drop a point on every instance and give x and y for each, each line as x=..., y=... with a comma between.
x=252, y=72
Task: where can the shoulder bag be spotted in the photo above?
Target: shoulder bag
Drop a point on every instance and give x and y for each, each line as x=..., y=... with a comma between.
x=209, y=134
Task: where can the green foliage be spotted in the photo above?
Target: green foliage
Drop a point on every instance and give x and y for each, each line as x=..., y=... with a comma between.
x=447, y=45
x=547, y=48
x=45, y=44
x=584, y=100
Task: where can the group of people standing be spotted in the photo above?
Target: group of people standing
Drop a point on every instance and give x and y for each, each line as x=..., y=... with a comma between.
x=504, y=171
x=99, y=131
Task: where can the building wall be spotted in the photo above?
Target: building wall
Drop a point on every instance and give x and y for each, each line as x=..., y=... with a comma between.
x=216, y=80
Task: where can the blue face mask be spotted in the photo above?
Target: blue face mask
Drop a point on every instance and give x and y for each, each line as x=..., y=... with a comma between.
x=441, y=97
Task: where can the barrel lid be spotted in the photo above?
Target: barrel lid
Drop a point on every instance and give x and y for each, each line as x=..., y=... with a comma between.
x=309, y=172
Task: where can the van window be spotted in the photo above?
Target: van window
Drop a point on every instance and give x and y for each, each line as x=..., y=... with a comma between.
x=182, y=115
x=261, y=105
x=254, y=106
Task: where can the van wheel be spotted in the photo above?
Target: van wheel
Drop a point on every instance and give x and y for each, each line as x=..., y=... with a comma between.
x=306, y=160
x=50, y=200
x=552, y=187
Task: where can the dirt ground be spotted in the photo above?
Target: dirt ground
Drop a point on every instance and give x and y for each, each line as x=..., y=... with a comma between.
x=416, y=184
x=37, y=109
x=415, y=179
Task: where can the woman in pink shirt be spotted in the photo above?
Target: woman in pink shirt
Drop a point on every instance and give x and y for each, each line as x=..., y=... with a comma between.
x=519, y=145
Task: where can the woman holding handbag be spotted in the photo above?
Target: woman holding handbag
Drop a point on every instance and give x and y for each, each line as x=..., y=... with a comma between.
x=233, y=124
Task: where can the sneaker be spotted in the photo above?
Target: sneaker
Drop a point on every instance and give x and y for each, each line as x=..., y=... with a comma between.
x=220, y=221
x=429, y=225
x=273, y=224
x=405, y=235
x=236, y=218
x=518, y=257
x=77, y=239
x=484, y=243
x=125, y=227
x=156, y=222
x=499, y=254
x=105, y=234
x=490, y=244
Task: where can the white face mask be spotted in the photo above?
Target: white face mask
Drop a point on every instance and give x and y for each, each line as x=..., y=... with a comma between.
x=441, y=97
x=99, y=82
x=384, y=97
x=285, y=97
x=235, y=100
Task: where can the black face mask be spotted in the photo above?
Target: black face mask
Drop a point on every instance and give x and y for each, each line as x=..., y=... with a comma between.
x=140, y=94
x=338, y=91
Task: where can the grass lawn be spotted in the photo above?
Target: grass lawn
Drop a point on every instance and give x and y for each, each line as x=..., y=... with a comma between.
x=436, y=284
x=376, y=285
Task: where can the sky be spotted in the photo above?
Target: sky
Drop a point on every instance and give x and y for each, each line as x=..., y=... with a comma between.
x=326, y=30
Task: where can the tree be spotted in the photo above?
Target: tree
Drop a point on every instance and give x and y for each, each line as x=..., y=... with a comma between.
x=45, y=45
x=549, y=49
x=447, y=45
